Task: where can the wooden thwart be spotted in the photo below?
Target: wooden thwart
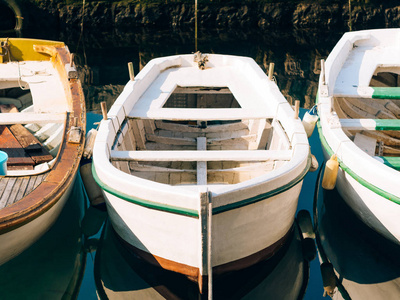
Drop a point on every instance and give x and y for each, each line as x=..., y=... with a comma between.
x=31, y=144
x=220, y=155
x=27, y=118
x=17, y=158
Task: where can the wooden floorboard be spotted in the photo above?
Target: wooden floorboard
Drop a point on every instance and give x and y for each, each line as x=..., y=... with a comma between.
x=14, y=192
x=13, y=189
x=22, y=188
x=7, y=192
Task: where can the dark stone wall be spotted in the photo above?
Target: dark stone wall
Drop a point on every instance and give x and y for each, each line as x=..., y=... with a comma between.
x=295, y=36
x=122, y=15
x=102, y=15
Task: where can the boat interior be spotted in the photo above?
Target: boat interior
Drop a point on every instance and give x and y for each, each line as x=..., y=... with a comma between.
x=177, y=152
x=31, y=147
x=379, y=141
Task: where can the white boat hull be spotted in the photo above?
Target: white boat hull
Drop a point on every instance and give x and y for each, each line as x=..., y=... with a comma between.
x=375, y=211
x=14, y=242
x=236, y=234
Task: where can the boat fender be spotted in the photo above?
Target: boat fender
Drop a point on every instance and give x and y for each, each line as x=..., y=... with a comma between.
x=328, y=278
x=330, y=173
x=93, y=191
x=309, y=250
x=89, y=143
x=314, y=164
x=310, y=118
x=305, y=224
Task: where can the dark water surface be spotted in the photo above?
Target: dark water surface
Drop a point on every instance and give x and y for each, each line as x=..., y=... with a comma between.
x=77, y=259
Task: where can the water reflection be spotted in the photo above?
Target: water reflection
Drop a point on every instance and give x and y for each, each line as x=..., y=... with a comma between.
x=121, y=275
x=53, y=267
x=366, y=265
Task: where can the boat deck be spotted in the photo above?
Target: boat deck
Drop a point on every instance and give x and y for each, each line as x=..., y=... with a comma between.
x=363, y=62
x=13, y=189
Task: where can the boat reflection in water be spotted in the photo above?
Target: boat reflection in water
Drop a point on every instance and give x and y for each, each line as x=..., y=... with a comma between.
x=121, y=275
x=53, y=267
x=366, y=265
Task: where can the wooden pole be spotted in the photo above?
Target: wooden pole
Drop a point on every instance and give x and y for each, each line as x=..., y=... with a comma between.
x=271, y=71
x=350, y=23
x=104, y=110
x=296, y=109
x=71, y=60
x=195, y=26
x=131, y=72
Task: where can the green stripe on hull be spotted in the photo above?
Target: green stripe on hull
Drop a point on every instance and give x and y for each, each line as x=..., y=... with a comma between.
x=194, y=213
x=386, y=93
x=387, y=124
x=360, y=180
x=266, y=195
x=146, y=203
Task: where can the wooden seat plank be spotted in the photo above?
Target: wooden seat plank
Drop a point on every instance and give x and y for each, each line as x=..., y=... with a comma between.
x=26, y=139
x=31, y=144
x=17, y=158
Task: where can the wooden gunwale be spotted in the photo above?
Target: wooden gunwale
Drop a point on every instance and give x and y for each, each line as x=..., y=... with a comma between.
x=47, y=194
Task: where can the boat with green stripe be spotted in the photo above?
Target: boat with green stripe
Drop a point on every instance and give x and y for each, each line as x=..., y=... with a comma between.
x=359, y=111
x=201, y=160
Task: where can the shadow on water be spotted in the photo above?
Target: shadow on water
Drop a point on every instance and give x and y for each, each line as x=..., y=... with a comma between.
x=367, y=266
x=53, y=267
x=120, y=274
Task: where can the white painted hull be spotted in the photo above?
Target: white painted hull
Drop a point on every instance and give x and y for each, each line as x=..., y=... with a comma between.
x=372, y=209
x=236, y=234
x=16, y=241
x=368, y=185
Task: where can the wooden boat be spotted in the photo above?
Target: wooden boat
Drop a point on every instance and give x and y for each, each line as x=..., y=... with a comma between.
x=358, y=108
x=42, y=124
x=201, y=167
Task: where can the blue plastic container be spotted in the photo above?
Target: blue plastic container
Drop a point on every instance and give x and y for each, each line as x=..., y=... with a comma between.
x=3, y=163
